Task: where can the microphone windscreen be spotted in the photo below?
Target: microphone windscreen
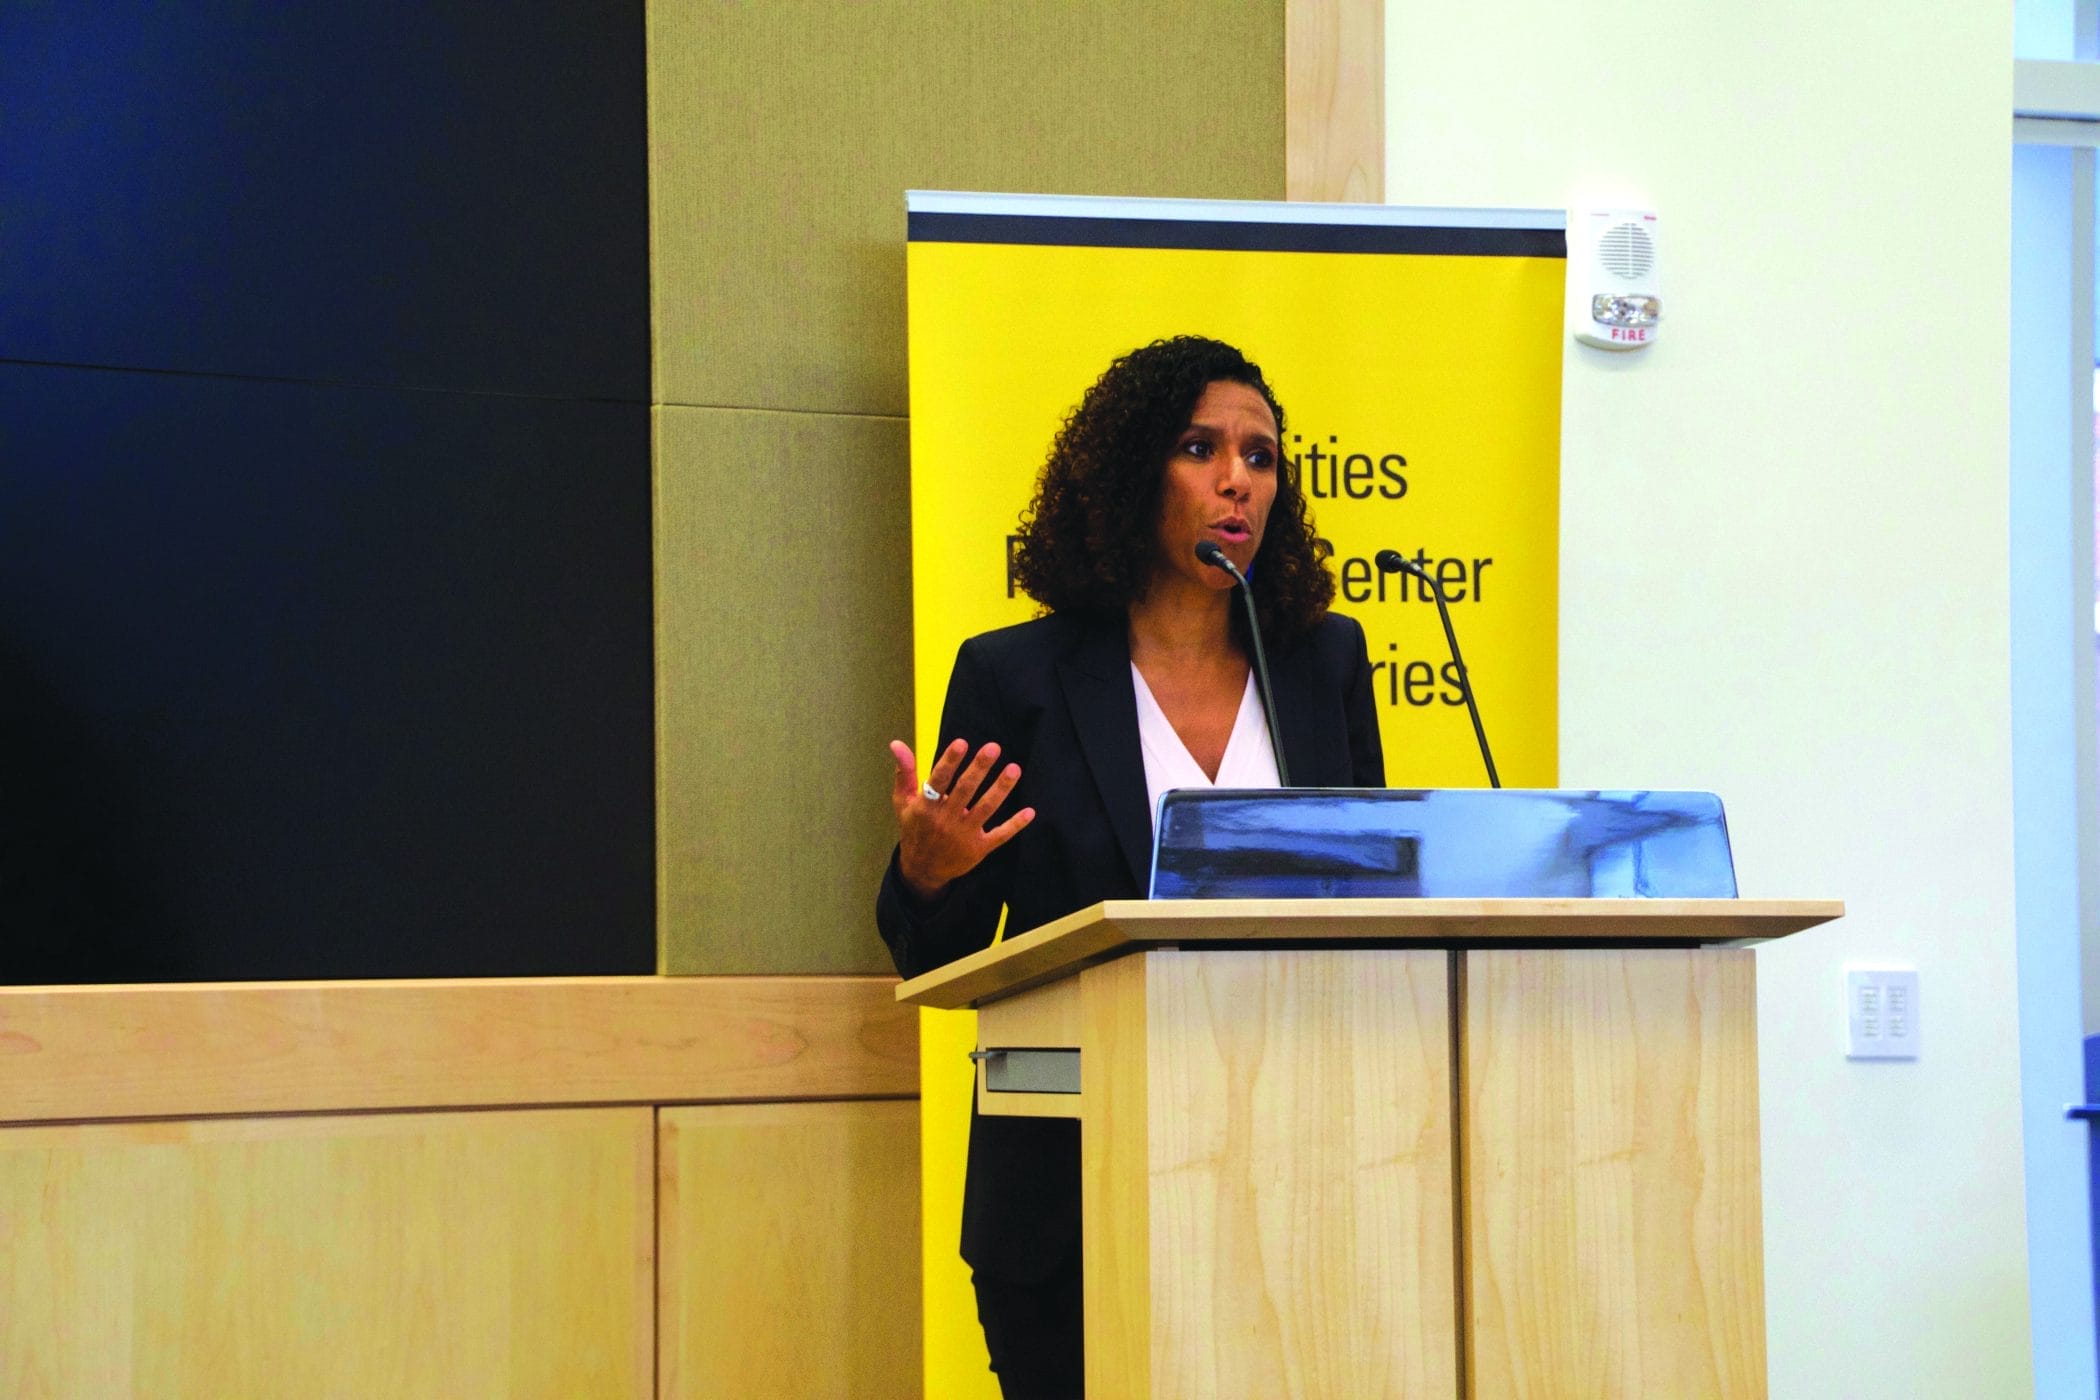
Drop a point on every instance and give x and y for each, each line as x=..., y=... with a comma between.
x=1390, y=561
x=1210, y=553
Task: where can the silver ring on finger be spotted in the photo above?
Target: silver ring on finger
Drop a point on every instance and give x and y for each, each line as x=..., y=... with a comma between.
x=930, y=792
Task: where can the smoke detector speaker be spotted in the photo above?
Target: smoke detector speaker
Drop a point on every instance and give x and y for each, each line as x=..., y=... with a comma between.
x=1614, y=278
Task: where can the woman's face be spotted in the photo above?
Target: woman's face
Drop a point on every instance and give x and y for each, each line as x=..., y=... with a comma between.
x=1219, y=483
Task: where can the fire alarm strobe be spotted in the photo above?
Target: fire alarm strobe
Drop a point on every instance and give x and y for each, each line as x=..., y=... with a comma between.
x=1614, y=278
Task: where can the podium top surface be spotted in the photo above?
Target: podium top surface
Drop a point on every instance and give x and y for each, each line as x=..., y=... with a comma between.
x=1119, y=926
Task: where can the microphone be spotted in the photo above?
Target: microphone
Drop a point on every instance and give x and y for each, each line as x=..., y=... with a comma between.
x=1392, y=561
x=1210, y=553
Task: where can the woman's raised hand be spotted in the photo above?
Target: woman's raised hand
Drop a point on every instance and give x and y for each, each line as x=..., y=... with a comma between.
x=943, y=836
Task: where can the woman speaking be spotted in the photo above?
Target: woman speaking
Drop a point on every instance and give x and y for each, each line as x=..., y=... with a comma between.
x=1059, y=736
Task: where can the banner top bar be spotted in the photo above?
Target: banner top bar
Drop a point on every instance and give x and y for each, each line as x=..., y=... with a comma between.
x=1230, y=211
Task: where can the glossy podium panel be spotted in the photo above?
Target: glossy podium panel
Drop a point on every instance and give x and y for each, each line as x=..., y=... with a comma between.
x=1460, y=843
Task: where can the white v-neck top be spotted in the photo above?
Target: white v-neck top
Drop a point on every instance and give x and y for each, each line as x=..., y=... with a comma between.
x=1249, y=761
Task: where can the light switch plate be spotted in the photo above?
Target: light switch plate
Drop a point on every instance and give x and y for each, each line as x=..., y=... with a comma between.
x=1881, y=1012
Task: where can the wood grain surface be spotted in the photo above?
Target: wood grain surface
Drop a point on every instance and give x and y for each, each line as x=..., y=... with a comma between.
x=1115, y=1178
x=1048, y=1018
x=1334, y=100
x=1614, y=1237
x=193, y=1050
x=501, y=1255
x=1301, y=1174
x=1113, y=927
x=790, y=1251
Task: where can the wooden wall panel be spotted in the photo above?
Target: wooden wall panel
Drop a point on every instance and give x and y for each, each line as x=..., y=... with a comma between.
x=789, y=1248
x=506, y=1254
x=1335, y=94
x=1614, y=1243
x=192, y=1050
x=782, y=582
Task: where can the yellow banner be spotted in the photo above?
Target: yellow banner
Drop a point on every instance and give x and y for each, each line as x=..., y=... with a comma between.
x=1422, y=390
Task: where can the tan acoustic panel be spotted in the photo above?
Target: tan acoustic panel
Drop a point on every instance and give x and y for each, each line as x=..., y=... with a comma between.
x=494, y=1255
x=783, y=576
x=783, y=136
x=1613, y=1240
x=790, y=1251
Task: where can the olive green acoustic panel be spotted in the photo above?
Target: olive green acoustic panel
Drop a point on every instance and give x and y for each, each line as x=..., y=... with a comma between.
x=782, y=137
x=781, y=679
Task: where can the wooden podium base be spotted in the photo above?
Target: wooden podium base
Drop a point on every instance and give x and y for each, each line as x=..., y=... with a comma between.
x=1614, y=1242
x=1494, y=1149
x=1267, y=1157
x=1333, y=1172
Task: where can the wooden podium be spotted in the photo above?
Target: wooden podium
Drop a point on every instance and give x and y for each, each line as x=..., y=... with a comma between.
x=1345, y=1149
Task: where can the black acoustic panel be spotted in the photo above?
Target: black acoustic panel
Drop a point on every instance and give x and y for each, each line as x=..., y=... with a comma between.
x=431, y=192
x=312, y=681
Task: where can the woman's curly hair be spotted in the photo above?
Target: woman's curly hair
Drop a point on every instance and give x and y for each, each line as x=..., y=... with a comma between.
x=1090, y=538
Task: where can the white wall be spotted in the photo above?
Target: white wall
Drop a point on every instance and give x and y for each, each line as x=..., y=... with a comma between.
x=2052, y=688
x=1785, y=578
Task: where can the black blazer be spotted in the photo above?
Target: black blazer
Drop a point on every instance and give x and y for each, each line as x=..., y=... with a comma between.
x=1057, y=696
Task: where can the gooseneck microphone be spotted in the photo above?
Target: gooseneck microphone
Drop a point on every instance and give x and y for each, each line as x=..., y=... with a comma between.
x=1210, y=553
x=1392, y=561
